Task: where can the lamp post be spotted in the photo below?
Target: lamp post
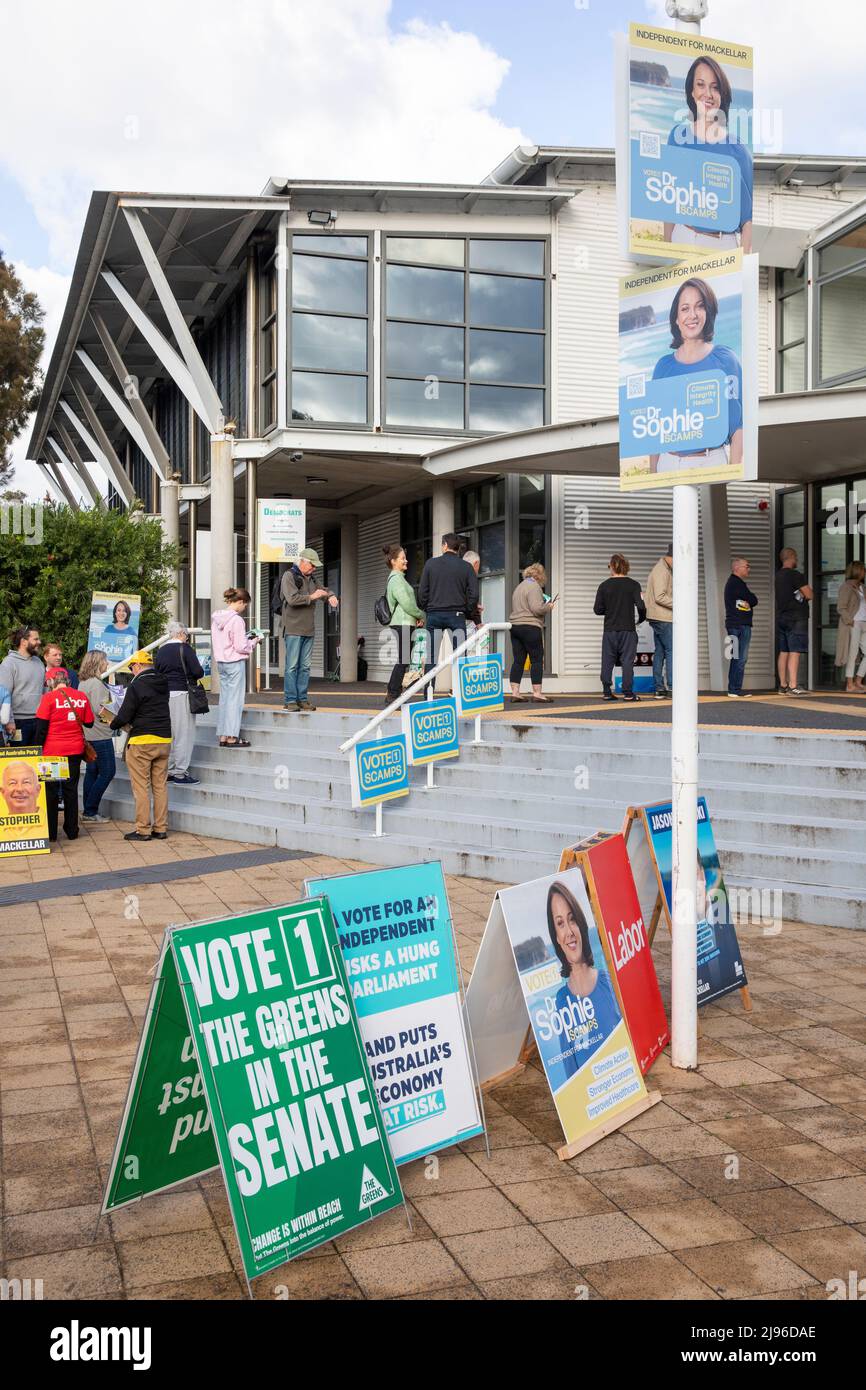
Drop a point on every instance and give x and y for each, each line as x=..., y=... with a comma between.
x=687, y=15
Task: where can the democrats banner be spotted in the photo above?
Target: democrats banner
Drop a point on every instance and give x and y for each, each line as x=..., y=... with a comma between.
x=687, y=373
x=23, y=812
x=720, y=963
x=684, y=144
x=114, y=624
x=480, y=684
x=395, y=931
x=379, y=771
x=300, y=1139
x=281, y=530
x=584, y=1044
x=431, y=730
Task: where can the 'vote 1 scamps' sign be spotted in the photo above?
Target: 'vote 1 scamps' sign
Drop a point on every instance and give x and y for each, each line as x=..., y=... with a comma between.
x=379, y=771
x=395, y=932
x=480, y=685
x=272, y=1056
x=430, y=728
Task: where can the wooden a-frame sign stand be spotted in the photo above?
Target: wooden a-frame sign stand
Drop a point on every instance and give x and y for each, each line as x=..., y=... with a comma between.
x=635, y=817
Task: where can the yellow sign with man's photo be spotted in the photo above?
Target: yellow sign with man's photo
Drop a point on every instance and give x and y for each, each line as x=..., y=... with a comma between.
x=23, y=812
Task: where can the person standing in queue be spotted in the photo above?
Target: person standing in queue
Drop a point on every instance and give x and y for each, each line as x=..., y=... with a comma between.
x=616, y=601
x=231, y=645
x=300, y=592
x=145, y=710
x=62, y=717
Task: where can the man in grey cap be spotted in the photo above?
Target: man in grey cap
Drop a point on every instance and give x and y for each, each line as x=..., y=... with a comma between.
x=299, y=591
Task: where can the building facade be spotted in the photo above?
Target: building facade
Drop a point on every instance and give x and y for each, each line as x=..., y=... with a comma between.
x=413, y=359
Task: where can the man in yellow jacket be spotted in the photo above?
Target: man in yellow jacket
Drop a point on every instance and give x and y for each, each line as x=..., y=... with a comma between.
x=660, y=613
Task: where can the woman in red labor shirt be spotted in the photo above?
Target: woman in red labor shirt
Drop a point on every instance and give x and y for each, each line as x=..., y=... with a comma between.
x=61, y=719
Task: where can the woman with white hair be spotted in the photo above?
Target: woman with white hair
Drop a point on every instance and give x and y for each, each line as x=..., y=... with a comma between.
x=176, y=660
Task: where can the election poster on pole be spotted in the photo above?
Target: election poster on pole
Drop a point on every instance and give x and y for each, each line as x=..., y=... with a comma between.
x=114, y=625
x=613, y=895
x=688, y=372
x=263, y=1072
x=559, y=979
x=684, y=144
x=397, y=938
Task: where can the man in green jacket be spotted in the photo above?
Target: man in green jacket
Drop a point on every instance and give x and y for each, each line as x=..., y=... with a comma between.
x=299, y=592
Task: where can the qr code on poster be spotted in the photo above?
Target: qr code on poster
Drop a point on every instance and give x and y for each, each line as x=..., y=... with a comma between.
x=635, y=386
x=650, y=145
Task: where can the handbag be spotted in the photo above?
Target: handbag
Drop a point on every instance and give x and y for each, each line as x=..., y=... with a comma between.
x=196, y=693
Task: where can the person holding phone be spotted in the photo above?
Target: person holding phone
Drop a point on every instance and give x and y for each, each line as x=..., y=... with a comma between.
x=231, y=650
x=529, y=606
x=300, y=592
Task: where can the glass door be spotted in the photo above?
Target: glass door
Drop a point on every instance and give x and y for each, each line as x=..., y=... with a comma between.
x=840, y=522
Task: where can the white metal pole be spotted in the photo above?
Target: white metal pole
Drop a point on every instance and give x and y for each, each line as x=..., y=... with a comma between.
x=684, y=733
x=379, y=830
x=430, y=766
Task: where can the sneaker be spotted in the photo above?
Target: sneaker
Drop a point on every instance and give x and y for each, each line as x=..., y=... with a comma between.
x=185, y=781
x=134, y=835
x=95, y=820
x=305, y=706
x=796, y=690
x=661, y=694
x=632, y=699
x=609, y=695
x=160, y=835
x=783, y=689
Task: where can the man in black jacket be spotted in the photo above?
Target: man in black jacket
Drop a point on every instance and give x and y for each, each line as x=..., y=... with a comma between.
x=739, y=602
x=448, y=592
x=145, y=710
x=616, y=601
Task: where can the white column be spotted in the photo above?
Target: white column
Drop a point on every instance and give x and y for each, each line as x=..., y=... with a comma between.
x=442, y=511
x=169, y=510
x=222, y=518
x=716, y=555
x=252, y=570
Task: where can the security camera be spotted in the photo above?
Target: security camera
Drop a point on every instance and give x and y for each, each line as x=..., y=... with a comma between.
x=296, y=458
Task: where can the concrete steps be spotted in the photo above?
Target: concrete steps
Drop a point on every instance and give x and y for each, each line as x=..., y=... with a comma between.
x=788, y=810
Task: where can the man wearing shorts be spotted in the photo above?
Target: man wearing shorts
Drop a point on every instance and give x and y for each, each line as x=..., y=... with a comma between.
x=792, y=620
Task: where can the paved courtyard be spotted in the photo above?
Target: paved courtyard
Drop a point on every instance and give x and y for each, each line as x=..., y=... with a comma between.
x=747, y=1181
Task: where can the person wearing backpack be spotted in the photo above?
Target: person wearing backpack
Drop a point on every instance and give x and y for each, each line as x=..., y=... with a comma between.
x=405, y=617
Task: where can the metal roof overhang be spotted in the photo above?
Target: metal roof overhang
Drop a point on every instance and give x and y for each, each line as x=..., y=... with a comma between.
x=200, y=241
x=802, y=437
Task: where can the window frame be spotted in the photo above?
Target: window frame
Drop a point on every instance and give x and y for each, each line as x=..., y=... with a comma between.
x=368, y=259
x=465, y=381
x=782, y=346
x=268, y=324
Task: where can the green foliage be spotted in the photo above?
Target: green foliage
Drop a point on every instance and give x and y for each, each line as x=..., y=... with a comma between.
x=50, y=584
x=21, y=342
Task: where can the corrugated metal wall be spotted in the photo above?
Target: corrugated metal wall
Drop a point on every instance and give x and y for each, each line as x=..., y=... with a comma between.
x=372, y=578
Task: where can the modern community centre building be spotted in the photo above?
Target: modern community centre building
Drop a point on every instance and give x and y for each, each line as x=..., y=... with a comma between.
x=414, y=358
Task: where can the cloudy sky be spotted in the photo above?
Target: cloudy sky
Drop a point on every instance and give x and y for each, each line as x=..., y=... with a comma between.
x=212, y=96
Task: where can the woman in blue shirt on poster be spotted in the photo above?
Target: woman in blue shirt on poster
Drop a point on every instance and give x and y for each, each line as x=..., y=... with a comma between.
x=586, y=1002
x=709, y=96
x=693, y=324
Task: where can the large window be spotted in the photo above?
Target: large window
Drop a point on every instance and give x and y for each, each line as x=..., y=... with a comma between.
x=329, y=329
x=267, y=341
x=841, y=308
x=465, y=334
x=416, y=528
x=791, y=330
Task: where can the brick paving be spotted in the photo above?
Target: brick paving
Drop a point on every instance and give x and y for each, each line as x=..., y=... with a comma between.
x=747, y=1181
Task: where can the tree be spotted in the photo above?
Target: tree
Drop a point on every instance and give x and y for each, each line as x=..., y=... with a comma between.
x=50, y=583
x=21, y=342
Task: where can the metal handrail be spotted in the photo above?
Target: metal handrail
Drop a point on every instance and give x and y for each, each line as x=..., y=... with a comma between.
x=431, y=675
x=118, y=665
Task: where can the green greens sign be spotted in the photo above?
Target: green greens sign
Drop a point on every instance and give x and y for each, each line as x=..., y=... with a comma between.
x=165, y=1134
x=297, y=1127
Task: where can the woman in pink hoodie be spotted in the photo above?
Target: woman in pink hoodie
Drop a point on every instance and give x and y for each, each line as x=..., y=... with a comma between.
x=231, y=648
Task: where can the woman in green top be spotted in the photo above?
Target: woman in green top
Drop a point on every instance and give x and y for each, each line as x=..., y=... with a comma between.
x=405, y=615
